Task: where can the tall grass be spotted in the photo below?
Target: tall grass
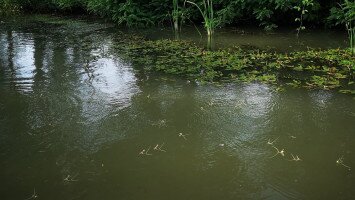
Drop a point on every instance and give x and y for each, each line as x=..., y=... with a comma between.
x=351, y=34
x=209, y=20
x=345, y=14
x=207, y=14
x=176, y=16
x=349, y=11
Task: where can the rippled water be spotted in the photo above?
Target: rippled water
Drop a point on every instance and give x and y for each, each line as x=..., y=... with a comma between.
x=74, y=118
x=280, y=40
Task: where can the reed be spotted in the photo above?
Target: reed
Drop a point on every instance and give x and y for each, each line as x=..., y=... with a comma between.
x=351, y=33
x=176, y=18
x=207, y=14
x=349, y=17
x=209, y=20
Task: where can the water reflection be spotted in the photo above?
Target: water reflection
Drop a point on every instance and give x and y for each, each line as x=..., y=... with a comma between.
x=233, y=137
x=72, y=89
x=279, y=40
x=115, y=81
x=23, y=59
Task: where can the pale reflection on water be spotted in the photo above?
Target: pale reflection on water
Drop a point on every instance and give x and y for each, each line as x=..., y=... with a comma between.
x=115, y=80
x=18, y=50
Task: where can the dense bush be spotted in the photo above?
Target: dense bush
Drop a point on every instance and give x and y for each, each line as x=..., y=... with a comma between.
x=267, y=13
x=9, y=7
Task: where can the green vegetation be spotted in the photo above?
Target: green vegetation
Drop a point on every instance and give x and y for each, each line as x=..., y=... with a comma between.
x=268, y=14
x=176, y=15
x=325, y=69
x=138, y=13
x=313, y=68
x=303, y=9
x=9, y=7
x=209, y=20
x=345, y=14
x=208, y=16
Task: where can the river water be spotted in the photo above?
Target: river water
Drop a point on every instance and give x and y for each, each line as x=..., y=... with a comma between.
x=79, y=122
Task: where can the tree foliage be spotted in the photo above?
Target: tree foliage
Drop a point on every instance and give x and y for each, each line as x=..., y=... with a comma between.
x=267, y=13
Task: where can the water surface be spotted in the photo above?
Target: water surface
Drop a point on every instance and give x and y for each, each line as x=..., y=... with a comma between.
x=74, y=117
x=280, y=40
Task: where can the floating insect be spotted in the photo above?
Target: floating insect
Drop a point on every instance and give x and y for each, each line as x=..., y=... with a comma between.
x=70, y=179
x=282, y=152
x=34, y=195
x=295, y=158
x=182, y=135
x=272, y=142
x=340, y=161
x=145, y=152
x=159, y=147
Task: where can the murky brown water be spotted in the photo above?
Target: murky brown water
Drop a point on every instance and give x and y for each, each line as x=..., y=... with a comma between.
x=74, y=118
x=281, y=40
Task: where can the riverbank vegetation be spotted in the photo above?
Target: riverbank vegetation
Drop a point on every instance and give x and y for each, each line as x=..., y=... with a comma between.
x=313, y=68
x=8, y=8
x=212, y=14
x=345, y=14
x=268, y=14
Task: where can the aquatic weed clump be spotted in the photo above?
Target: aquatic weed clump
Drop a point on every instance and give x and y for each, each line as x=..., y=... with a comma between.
x=313, y=68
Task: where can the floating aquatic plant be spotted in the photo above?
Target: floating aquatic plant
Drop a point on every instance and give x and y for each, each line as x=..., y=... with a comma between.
x=324, y=69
